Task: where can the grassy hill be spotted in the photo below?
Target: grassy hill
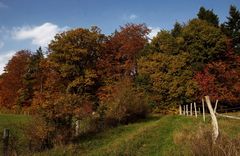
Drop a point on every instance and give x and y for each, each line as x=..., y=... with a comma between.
x=156, y=135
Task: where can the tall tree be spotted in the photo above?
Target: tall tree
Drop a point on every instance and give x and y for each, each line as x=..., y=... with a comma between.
x=12, y=81
x=232, y=28
x=204, y=42
x=32, y=79
x=177, y=29
x=119, y=58
x=167, y=78
x=208, y=15
x=74, y=54
x=165, y=42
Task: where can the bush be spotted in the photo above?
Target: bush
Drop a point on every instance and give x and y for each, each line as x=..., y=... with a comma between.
x=38, y=135
x=87, y=125
x=125, y=105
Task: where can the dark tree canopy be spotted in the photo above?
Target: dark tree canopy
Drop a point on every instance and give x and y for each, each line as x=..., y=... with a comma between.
x=208, y=15
x=232, y=28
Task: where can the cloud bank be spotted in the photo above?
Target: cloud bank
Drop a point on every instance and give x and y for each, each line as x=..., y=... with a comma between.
x=39, y=35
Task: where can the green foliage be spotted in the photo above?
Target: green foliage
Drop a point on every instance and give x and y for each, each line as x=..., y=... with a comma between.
x=177, y=29
x=165, y=42
x=203, y=42
x=232, y=28
x=170, y=78
x=208, y=15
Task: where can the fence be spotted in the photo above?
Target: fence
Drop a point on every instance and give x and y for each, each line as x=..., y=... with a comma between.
x=183, y=110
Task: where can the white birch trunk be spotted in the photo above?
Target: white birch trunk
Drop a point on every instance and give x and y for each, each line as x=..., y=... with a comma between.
x=187, y=109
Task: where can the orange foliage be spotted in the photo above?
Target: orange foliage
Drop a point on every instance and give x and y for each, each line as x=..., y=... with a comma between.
x=12, y=80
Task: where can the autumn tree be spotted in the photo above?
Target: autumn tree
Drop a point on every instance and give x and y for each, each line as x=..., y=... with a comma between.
x=119, y=58
x=71, y=80
x=122, y=49
x=74, y=54
x=12, y=80
x=167, y=78
x=32, y=79
x=221, y=80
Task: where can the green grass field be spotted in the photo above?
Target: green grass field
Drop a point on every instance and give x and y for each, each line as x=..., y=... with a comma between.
x=15, y=123
x=155, y=135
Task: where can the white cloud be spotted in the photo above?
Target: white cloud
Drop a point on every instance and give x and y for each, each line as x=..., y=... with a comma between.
x=2, y=5
x=154, y=32
x=40, y=35
x=4, y=58
x=132, y=16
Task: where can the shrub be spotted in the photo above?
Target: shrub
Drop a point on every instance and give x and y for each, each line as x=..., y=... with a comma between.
x=125, y=105
x=38, y=135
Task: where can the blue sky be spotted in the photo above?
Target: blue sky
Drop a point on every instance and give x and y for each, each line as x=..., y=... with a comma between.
x=28, y=24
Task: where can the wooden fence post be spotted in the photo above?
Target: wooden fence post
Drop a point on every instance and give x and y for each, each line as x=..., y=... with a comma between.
x=195, y=109
x=191, y=109
x=5, y=141
x=180, y=110
x=199, y=109
x=184, y=110
x=203, y=110
x=215, y=108
x=214, y=119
